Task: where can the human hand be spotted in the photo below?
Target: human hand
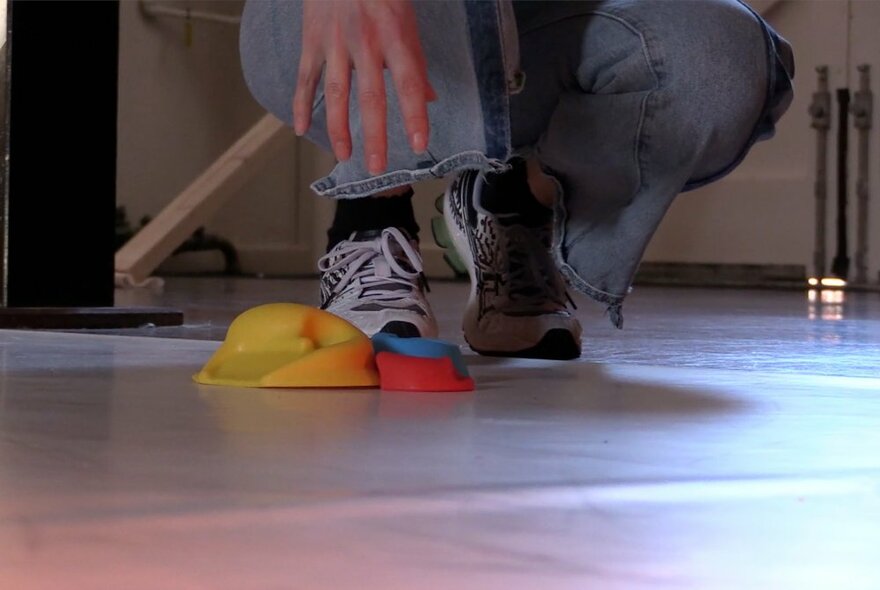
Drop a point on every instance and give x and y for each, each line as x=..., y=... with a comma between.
x=368, y=35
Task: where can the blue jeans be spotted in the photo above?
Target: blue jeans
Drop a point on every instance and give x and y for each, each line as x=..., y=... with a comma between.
x=627, y=103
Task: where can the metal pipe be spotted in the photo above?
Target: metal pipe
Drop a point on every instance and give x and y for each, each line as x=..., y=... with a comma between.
x=820, y=111
x=153, y=9
x=862, y=110
x=840, y=264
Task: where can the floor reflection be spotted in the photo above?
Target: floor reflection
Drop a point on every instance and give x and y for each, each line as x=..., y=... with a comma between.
x=826, y=304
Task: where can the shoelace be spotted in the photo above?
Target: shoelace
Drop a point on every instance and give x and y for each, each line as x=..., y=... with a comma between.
x=373, y=262
x=530, y=282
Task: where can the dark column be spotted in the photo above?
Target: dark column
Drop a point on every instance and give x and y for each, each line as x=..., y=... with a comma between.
x=59, y=174
x=62, y=153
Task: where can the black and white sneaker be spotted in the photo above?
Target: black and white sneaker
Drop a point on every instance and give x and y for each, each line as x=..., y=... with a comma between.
x=375, y=281
x=518, y=304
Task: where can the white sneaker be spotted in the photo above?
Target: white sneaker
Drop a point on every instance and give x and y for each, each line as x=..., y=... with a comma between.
x=375, y=281
x=518, y=303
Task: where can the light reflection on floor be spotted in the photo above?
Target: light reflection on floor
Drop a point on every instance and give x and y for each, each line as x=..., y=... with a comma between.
x=826, y=304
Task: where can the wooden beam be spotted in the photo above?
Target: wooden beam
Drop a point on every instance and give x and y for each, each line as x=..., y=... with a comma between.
x=146, y=250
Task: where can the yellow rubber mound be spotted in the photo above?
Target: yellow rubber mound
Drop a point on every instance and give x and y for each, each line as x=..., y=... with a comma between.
x=291, y=345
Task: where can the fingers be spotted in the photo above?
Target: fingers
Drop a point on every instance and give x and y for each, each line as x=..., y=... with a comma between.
x=337, y=86
x=369, y=37
x=306, y=85
x=431, y=94
x=406, y=61
x=371, y=98
x=413, y=92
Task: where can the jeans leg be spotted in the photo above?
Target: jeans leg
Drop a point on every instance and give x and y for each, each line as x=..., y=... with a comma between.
x=626, y=102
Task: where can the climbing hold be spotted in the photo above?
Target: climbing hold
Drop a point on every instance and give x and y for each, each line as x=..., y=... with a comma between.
x=399, y=372
x=291, y=345
x=420, y=364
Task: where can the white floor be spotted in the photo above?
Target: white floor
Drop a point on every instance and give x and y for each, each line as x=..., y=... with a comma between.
x=632, y=468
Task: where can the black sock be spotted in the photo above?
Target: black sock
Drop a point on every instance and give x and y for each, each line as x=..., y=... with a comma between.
x=372, y=213
x=508, y=195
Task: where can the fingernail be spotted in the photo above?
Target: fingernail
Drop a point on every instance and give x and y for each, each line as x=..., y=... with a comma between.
x=299, y=127
x=374, y=164
x=419, y=142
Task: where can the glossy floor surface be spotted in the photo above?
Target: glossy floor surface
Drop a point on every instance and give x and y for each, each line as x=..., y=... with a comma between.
x=724, y=439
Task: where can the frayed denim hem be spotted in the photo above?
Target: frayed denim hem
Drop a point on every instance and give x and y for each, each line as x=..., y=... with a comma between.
x=472, y=160
x=613, y=302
